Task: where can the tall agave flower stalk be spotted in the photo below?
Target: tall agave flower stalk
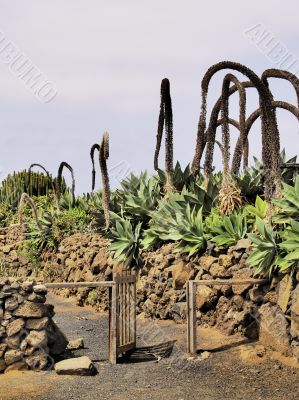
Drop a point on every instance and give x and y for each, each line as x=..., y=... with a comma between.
x=27, y=199
x=230, y=194
x=63, y=165
x=165, y=120
x=269, y=127
x=246, y=154
x=94, y=147
x=103, y=157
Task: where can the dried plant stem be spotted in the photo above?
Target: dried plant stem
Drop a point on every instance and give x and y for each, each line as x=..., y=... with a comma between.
x=27, y=199
x=103, y=157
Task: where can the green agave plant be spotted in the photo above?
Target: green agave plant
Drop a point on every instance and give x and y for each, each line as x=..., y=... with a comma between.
x=250, y=181
x=125, y=240
x=260, y=209
x=226, y=230
x=138, y=196
x=288, y=205
x=181, y=178
x=264, y=256
x=287, y=174
x=290, y=246
x=176, y=220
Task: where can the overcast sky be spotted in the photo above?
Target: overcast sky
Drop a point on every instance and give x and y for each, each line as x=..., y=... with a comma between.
x=107, y=58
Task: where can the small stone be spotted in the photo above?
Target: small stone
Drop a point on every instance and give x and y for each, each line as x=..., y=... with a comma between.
x=12, y=356
x=15, y=327
x=27, y=287
x=75, y=366
x=13, y=342
x=37, y=339
x=243, y=244
x=40, y=289
x=11, y=303
x=76, y=344
x=38, y=361
x=3, y=347
x=36, y=298
x=180, y=274
x=18, y=366
x=37, y=324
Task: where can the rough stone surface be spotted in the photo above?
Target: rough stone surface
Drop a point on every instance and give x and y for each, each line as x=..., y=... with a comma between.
x=295, y=314
x=75, y=366
x=76, y=344
x=13, y=356
x=37, y=339
x=273, y=331
x=15, y=327
x=32, y=310
x=180, y=274
x=28, y=336
x=37, y=324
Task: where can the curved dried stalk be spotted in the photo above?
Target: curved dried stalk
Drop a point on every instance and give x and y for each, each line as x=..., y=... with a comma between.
x=59, y=180
x=269, y=126
x=46, y=172
x=210, y=134
x=103, y=157
x=94, y=147
x=282, y=74
x=27, y=199
x=257, y=113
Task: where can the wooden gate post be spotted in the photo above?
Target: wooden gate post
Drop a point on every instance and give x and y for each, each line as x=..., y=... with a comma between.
x=191, y=318
x=113, y=325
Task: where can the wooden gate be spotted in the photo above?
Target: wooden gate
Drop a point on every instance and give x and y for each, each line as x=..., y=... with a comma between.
x=122, y=310
x=123, y=315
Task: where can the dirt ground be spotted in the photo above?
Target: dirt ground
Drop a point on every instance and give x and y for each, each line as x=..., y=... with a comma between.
x=227, y=368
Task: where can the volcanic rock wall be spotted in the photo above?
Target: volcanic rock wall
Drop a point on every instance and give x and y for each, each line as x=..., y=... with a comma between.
x=29, y=339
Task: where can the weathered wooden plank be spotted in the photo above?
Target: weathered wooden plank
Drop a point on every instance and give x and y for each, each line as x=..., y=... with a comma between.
x=70, y=285
x=191, y=318
x=231, y=282
x=113, y=325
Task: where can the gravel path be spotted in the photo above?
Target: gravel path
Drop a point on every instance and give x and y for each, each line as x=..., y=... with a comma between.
x=216, y=375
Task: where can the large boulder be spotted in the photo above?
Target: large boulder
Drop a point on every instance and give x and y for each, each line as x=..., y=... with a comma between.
x=75, y=366
x=273, y=329
x=295, y=314
x=30, y=309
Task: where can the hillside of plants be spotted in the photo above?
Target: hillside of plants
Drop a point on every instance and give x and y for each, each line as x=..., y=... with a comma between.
x=191, y=206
